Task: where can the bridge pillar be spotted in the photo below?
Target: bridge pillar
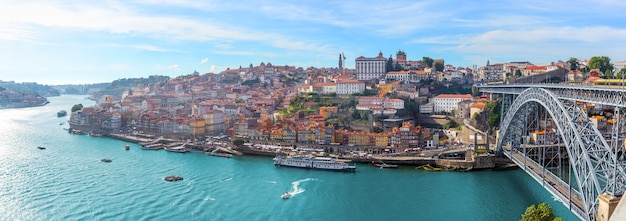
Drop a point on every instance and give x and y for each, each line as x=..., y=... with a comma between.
x=606, y=205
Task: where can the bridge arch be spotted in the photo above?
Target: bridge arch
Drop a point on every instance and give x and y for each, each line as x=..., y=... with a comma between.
x=592, y=162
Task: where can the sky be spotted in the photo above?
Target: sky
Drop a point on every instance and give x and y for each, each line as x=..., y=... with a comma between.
x=79, y=42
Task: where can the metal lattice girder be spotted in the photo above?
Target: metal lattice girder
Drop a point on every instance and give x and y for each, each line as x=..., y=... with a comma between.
x=600, y=95
x=591, y=159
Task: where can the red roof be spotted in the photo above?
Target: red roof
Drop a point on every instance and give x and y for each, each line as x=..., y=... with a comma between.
x=454, y=96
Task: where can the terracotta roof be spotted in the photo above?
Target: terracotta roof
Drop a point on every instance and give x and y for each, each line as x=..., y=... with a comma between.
x=454, y=96
x=348, y=82
x=324, y=84
x=480, y=105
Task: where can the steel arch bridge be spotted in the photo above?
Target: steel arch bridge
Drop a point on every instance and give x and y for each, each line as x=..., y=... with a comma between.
x=591, y=162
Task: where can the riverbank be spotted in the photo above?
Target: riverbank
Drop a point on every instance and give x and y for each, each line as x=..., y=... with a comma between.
x=470, y=163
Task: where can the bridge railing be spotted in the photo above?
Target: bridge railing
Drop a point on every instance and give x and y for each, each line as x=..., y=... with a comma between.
x=528, y=165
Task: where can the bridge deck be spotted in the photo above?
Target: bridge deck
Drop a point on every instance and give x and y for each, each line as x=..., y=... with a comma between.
x=551, y=183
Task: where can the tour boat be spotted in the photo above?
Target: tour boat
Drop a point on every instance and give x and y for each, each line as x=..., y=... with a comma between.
x=321, y=163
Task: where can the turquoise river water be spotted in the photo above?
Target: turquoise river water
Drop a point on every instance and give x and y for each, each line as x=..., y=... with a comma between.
x=67, y=181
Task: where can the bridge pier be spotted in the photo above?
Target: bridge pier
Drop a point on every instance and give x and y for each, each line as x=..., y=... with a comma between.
x=607, y=203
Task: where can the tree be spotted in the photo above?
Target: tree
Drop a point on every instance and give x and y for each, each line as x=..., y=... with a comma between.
x=439, y=66
x=542, y=212
x=573, y=63
x=398, y=67
x=609, y=74
x=602, y=63
x=389, y=64
x=518, y=73
x=238, y=141
x=620, y=73
x=77, y=107
x=427, y=61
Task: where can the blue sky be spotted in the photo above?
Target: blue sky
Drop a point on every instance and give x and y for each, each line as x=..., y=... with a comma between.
x=56, y=42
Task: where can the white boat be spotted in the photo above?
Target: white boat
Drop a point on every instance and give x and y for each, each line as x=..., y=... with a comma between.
x=285, y=195
x=178, y=149
x=321, y=163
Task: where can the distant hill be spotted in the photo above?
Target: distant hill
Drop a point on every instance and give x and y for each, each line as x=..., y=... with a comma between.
x=13, y=99
x=115, y=88
x=81, y=88
x=30, y=88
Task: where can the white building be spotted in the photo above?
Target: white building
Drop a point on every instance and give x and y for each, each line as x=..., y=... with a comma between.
x=380, y=105
x=370, y=68
x=449, y=102
x=619, y=66
x=350, y=87
x=492, y=73
x=427, y=108
x=325, y=87
x=398, y=76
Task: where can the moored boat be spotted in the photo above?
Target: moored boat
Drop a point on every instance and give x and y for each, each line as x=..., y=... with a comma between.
x=156, y=146
x=384, y=165
x=321, y=163
x=178, y=149
x=428, y=167
x=219, y=154
x=127, y=147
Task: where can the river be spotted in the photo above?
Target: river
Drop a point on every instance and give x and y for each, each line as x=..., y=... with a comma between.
x=68, y=181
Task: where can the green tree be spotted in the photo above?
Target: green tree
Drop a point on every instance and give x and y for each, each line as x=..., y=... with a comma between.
x=398, y=67
x=389, y=64
x=518, y=73
x=573, y=63
x=602, y=63
x=609, y=74
x=439, y=66
x=77, y=107
x=427, y=61
x=542, y=212
x=238, y=141
x=620, y=73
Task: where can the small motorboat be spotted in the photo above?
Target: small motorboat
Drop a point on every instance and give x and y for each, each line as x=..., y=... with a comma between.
x=127, y=147
x=173, y=178
x=41, y=147
x=286, y=195
x=106, y=160
x=384, y=165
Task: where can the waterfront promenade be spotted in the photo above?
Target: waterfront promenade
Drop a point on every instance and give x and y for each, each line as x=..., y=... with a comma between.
x=352, y=153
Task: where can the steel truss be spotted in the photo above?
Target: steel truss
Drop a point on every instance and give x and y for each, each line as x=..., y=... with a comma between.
x=592, y=162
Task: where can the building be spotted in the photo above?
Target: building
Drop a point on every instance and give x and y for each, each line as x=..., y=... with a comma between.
x=324, y=87
x=370, y=68
x=449, y=102
x=492, y=73
x=345, y=87
x=464, y=109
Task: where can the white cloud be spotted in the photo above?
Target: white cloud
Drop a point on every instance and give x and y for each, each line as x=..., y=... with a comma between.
x=543, y=44
x=173, y=67
x=117, y=19
x=264, y=54
x=152, y=48
x=204, y=60
x=214, y=68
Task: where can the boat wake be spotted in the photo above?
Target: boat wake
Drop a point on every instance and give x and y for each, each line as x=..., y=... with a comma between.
x=295, y=186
